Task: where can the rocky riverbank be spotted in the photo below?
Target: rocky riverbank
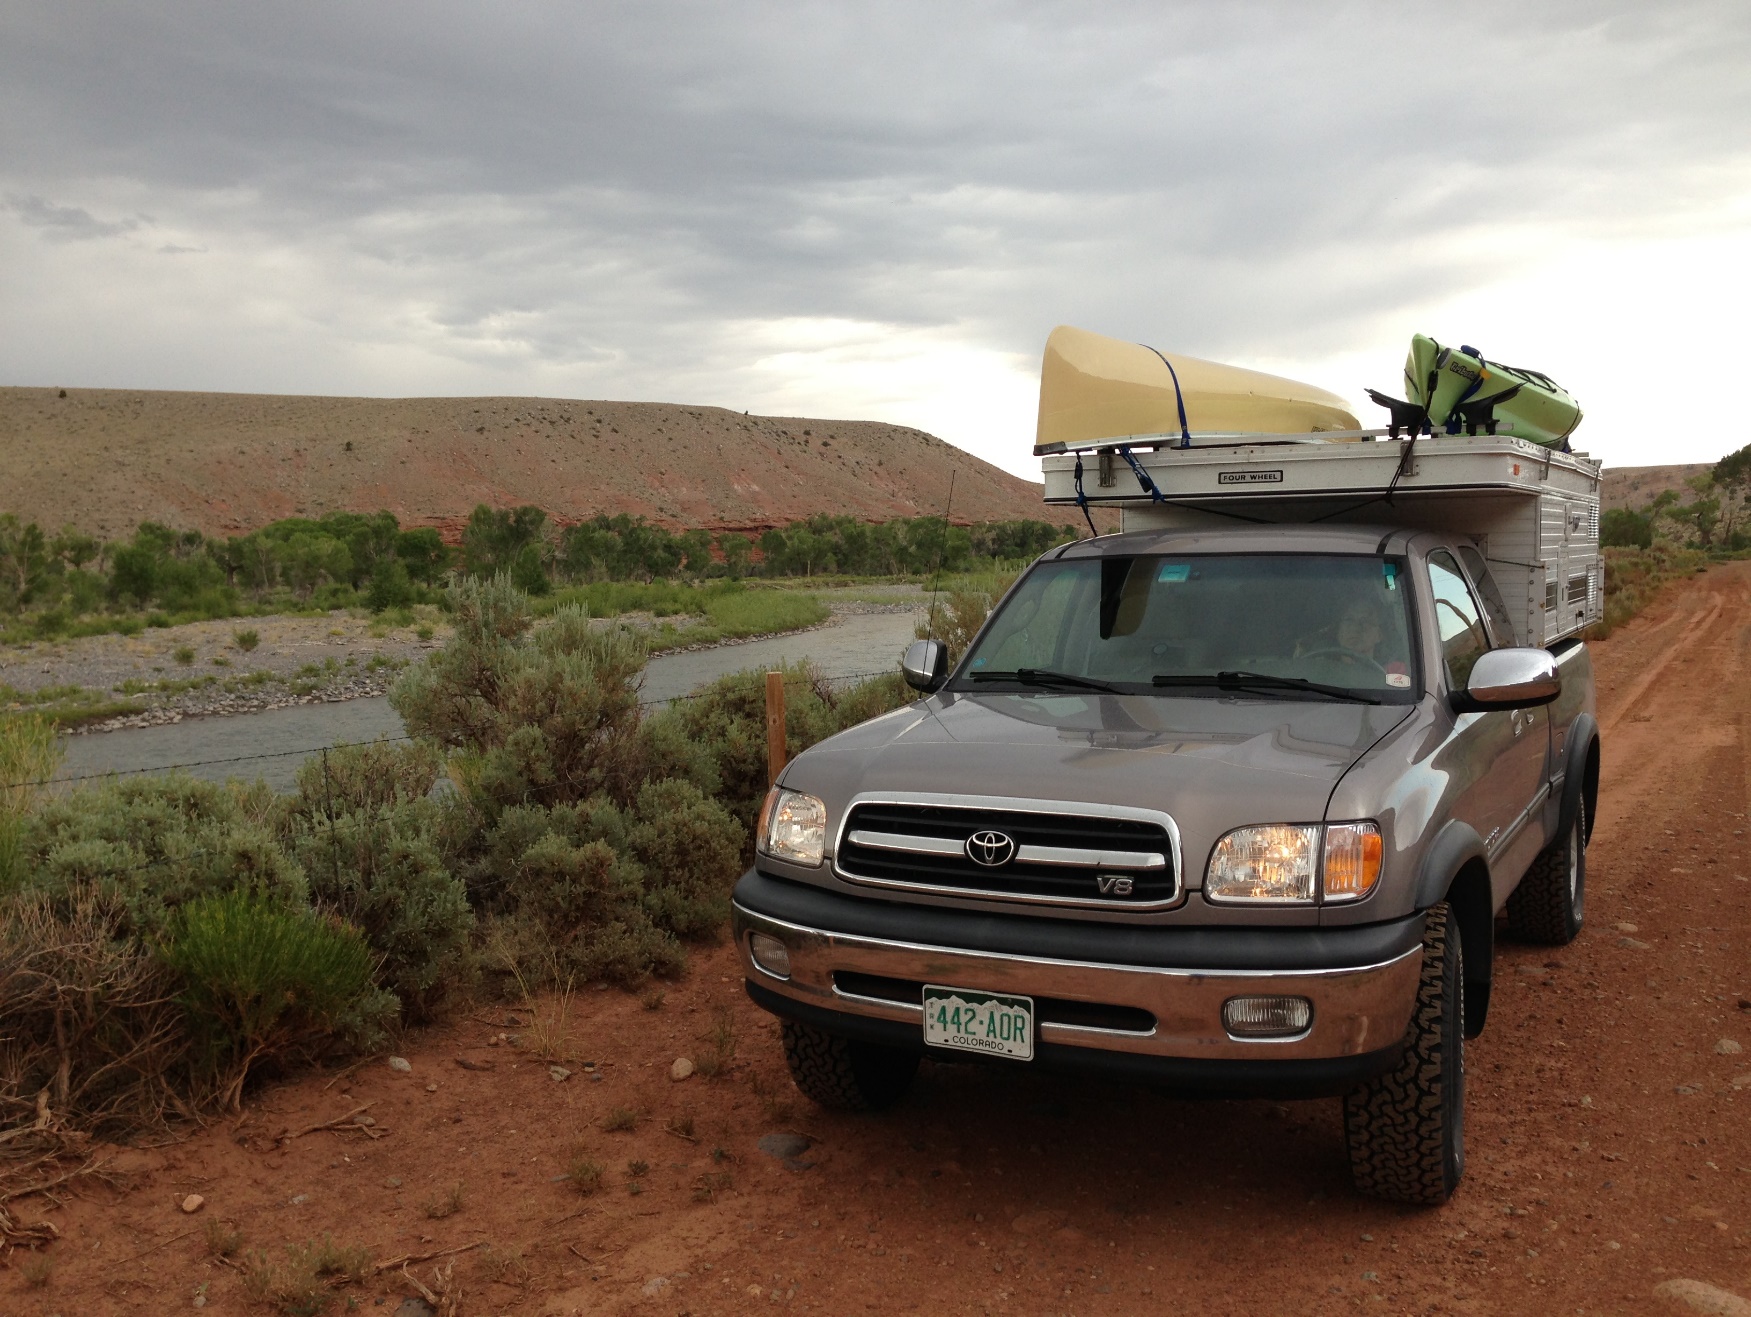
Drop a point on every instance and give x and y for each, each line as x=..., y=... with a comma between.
x=247, y=665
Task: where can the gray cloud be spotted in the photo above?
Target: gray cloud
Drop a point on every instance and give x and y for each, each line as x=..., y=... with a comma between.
x=66, y=223
x=611, y=190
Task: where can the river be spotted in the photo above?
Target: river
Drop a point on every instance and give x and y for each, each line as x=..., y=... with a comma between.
x=272, y=744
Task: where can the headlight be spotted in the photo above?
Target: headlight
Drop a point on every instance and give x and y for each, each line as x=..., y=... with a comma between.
x=1352, y=860
x=793, y=827
x=1288, y=863
x=1272, y=864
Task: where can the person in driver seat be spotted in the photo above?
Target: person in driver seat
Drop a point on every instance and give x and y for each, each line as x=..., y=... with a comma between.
x=1358, y=633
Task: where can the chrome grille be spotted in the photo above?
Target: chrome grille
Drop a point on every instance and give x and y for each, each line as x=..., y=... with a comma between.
x=1106, y=861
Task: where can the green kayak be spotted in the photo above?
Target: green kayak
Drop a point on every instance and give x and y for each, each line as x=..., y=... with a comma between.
x=1457, y=390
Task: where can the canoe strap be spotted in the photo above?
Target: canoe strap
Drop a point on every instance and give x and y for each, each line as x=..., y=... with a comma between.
x=1385, y=495
x=1185, y=430
x=1082, y=499
x=1148, y=485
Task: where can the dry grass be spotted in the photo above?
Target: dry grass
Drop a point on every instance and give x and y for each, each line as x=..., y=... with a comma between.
x=777, y=1102
x=681, y=1124
x=30, y=752
x=1633, y=577
x=622, y=1119
x=653, y=999
x=546, y=1033
x=300, y=1285
x=720, y=1044
x=507, y=1267
x=708, y=1186
x=585, y=1173
x=444, y=1204
x=36, y=1270
x=223, y=1238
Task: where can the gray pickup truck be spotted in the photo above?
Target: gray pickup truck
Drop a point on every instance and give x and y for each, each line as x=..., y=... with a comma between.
x=1231, y=811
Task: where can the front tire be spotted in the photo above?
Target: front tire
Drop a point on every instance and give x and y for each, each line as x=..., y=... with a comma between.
x=1550, y=904
x=1406, y=1128
x=844, y=1074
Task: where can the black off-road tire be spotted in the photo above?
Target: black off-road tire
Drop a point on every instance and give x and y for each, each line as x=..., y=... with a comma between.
x=1550, y=904
x=1406, y=1129
x=846, y=1075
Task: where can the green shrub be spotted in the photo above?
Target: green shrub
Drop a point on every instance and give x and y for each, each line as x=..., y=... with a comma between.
x=690, y=848
x=381, y=870
x=262, y=982
x=725, y=723
x=957, y=613
x=367, y=837
x=580, y=915
x=391, y=586
x=368, y=775
x=246, y=640
x=157, y=842
x=541, y=718
x=1625, y=528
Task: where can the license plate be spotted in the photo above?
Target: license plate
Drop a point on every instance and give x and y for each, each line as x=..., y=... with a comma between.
x=992, y=1023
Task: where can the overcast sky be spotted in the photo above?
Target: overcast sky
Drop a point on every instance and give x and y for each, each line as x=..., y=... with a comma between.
x=879, y=210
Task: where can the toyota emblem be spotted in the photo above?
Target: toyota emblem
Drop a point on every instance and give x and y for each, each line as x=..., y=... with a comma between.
x=991, y=849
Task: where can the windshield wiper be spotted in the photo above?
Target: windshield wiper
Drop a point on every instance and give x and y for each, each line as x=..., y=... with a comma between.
x=1045, y=677
x=1262, y=681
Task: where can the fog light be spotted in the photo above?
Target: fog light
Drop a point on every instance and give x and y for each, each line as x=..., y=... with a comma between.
x=770, y=954
x=1266, y=1017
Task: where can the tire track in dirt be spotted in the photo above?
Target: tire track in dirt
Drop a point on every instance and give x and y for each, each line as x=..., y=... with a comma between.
x=1679, y=706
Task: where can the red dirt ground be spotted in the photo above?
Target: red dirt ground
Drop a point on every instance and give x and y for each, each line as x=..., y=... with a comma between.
x=1608, y=1144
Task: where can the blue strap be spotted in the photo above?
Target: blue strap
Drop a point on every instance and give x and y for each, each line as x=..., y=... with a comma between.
x=1142, y=476
x=1185, y=432
x=1082, y=499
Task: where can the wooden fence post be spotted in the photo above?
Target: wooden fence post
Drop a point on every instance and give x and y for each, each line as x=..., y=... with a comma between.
x=775, y=757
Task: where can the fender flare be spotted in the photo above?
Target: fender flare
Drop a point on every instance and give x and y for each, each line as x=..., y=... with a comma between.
x=1580, y=774
x=1455, y=846
x=1455, y=868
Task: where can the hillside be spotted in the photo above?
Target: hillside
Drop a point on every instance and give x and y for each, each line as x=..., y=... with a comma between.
x=1635, y=487
x=107, y=459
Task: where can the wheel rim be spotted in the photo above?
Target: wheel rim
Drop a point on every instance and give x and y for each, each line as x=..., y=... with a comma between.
x=1575, y=863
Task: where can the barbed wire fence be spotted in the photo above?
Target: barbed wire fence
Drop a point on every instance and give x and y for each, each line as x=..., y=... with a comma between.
x=801, y=683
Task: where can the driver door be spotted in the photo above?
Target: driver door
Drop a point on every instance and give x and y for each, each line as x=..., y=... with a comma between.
x=1497, y=758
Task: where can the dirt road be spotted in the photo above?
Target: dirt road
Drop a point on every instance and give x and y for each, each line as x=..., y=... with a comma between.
x=1609, y=1152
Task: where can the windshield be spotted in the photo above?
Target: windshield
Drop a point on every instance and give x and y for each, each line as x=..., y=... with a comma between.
x=1292, y=623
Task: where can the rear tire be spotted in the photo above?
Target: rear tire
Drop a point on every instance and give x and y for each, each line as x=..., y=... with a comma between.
x=1550, y=904
x=1406, y=1128
x=844, y=1074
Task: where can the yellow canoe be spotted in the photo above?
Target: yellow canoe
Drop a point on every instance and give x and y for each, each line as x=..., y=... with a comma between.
x=1094, y=388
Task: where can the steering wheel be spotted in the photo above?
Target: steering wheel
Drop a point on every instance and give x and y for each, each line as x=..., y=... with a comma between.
x=1344, y=655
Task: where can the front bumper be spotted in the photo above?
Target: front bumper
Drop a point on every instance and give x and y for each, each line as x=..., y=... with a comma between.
x=1116, y=991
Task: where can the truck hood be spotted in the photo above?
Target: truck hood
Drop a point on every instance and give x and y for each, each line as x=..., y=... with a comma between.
x=1213, y=762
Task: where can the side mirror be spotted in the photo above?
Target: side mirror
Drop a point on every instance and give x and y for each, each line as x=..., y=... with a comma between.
x=925, y=665
x=1510, y=679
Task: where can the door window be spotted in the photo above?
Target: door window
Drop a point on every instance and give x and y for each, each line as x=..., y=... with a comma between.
x=1457, y=619
x=1493, y=602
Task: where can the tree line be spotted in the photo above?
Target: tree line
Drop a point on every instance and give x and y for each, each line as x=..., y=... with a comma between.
x=348, y=558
